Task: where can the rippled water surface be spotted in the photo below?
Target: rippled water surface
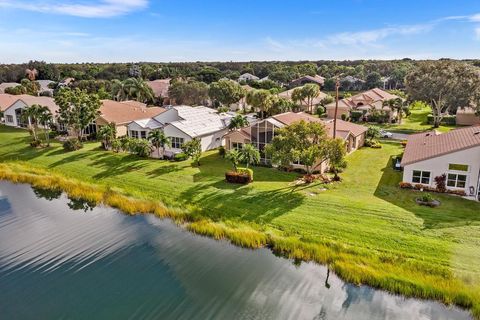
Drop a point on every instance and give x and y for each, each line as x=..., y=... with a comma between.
x=62, y=259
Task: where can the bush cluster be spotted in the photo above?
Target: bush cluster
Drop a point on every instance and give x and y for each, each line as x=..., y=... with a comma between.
x=418, y=186
x=72, y=144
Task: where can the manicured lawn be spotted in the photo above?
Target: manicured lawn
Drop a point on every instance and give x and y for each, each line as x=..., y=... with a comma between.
x=416, y=122
x=365, y=217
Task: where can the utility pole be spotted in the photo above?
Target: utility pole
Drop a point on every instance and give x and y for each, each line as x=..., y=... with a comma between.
x=337, y=86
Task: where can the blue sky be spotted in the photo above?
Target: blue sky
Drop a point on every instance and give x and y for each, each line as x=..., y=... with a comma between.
x=236, y=30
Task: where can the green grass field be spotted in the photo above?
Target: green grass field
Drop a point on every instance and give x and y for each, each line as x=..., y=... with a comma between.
x=415, y=122
x=366, y=228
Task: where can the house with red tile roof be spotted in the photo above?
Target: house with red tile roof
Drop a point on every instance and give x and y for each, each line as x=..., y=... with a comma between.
x=456, y=154
x=12, y=106
x=261, y=133
x=307, y=79
x=364, y=102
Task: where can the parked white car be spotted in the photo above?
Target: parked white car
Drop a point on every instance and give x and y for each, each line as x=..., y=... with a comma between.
x=386, y=134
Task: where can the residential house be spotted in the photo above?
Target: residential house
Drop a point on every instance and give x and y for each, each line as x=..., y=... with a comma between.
x=303, y=104
x=467, y=117
x=248, y=77
x=261, y=134
x=350, y=83
x=122, y=114
x=160, y=88
x=185, y=123
x=307, y=79
x=364, y=102
x=242, y=105
x=44, y=86
x=455, y=154
x=13, y=107
x=6, y=85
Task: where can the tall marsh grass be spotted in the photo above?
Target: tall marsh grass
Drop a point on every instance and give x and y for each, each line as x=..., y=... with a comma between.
x=397, y=274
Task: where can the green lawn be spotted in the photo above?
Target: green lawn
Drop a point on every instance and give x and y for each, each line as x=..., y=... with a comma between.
x=366, y=217
x=416, y=122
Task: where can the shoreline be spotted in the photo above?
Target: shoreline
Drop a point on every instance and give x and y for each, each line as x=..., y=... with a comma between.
x=350, y=264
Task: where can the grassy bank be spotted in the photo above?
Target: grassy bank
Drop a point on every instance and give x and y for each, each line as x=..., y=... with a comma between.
x=417, y=121
x=365, y=228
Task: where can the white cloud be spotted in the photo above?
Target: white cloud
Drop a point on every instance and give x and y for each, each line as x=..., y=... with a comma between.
x=97, y=9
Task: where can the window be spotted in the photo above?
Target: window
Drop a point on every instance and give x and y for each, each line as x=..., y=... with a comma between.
x=9, y=118
x=143, y=134
x=458, y=167
x=176, y=142
x=456, y=180
x=422, y=177
x=237, y=145
x=134, y=134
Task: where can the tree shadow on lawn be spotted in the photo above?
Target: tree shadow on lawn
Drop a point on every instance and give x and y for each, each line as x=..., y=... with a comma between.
x=221, y=200
x=163, y=169
x=453, y=211
x=213, y=165
x=114, y=164
x=26, y=153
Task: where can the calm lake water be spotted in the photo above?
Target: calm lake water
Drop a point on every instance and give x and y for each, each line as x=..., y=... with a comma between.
x=61, y=259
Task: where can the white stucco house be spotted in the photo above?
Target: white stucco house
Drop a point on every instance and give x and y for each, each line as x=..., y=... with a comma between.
x=182, y=124
x=12, y=113
x=248, y=77
x=455, y=154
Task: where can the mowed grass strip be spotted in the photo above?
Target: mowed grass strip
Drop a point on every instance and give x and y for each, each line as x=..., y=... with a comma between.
x=365, y=228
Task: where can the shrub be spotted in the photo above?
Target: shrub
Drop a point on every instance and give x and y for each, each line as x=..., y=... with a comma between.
x=373, y=144
x=426, y=197
x=72, y=144
x=238, y=177
x=35, y=143
x=248, y=171
x=356, y=115
x=457, y=192
x=180, y=157
x=440, y=183
x=221, y=151
x=404, y=143
x=344, y=116
x=419, y=186
x=405, y=185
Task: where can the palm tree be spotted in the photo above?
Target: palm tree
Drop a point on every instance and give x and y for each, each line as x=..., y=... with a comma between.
x=400, y=105
x=45, y=118
x=31, y=114
x=159, y=139
x=118, y=90
x=31, y=74
x=107, y=133
x=238, y=122
x=138, y=89
x=249, y=154
x=235, y=157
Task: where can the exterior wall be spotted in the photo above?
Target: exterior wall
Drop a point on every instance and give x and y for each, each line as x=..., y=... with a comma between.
x=234, y=137
x=467, y=119
x=331, y=112
x=439, y=165
x=213, y=140
x=167, y=116
x=171, y=131
x=360, y=140
x=11, y=112
x=135, y=127
x=121, y=129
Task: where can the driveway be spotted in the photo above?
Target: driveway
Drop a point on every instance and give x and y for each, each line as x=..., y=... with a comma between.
x=399, y=136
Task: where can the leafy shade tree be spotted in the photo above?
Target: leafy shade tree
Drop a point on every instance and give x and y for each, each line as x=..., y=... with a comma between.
x=306, y=94
x=306, y=142
x=234, y=157
x=193, y=149
x=336, y=156
x=26, y=87
x=107, y=133
x=260, y=100
x=281, y=105
x=237, y=122
x=373, y=133
x=208, y=75
x=159, y=140
x=226, y=92
x=445, y=86
x=249, y=154
x=77, y=109
x=374, y=80
x=189, y=93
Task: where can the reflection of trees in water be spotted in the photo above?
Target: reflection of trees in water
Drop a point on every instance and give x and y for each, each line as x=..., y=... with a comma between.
x=48, y=194
x=356, y=294
x=80, y=204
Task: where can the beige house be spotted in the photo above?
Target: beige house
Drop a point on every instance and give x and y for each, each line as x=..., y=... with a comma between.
x=364, y=102
x=261, y=134
x=455, y=154
x=303, y=104
x=12, y=107
x=467, y=117
x=123, y=113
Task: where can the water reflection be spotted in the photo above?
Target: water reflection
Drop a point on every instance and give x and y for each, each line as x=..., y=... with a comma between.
x=105, y=265
x=73, y=203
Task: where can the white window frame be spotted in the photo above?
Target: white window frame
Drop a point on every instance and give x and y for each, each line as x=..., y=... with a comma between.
x=143, y=134
x=422, y=173
x=237, y=145
x=134, y=134
x=177, y=142
x=456, y=181
x=9, y=118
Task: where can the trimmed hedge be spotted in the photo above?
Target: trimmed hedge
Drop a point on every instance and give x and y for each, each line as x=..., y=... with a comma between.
x=241, y=176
